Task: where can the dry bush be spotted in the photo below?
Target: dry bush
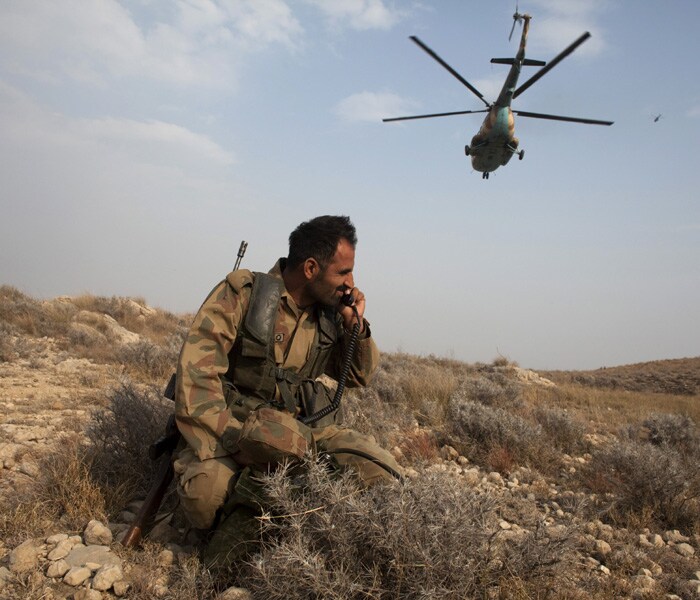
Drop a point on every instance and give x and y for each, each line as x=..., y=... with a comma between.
x=491, y=389
x=65, y=489
x=564, y=432
x=422, y=386
x=419, y=446
x=186, y=579
x=426, y=538
x=485, y=433
x=148, y=359
x=676, y=431
x=30, y=316
x=364, y=410
x=120, y=435
x=645, y=485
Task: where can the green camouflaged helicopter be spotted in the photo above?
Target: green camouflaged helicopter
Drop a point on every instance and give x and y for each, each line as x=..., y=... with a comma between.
x=495, y=143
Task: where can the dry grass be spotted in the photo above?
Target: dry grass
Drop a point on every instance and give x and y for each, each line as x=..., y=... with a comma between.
x=432, y=537
x=428, y=538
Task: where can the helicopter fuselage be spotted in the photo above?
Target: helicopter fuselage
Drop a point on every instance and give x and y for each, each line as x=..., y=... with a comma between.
x=495, y=142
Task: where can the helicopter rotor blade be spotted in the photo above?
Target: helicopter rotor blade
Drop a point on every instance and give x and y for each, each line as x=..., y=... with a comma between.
x=551, y=64
x=512, y=29
x=522, y=113
x=446, y=114
x=450, y=69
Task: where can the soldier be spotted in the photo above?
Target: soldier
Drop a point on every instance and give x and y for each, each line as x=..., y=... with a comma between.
x=248, y=371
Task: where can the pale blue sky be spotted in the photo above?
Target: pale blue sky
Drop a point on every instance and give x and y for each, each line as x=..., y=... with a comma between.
x=143, y=139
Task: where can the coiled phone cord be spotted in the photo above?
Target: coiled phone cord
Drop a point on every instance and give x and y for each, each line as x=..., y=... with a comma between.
x=345, y=370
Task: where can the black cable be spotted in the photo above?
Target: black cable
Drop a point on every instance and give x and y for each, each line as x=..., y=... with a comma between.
x=345, y=370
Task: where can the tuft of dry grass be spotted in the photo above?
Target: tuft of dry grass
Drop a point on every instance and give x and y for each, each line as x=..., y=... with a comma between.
x=643, y=485
x=428, y=538
x=119, y=437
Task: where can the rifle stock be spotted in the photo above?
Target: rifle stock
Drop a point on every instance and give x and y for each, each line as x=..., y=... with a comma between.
x=161, y=449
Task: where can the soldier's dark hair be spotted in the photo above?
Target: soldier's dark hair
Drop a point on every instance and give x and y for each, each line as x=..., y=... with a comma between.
x=319, y=238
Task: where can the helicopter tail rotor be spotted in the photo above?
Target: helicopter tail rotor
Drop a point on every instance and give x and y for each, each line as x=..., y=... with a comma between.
x=517, y=18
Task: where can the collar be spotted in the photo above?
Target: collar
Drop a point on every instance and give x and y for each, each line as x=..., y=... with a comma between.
x=276, y=271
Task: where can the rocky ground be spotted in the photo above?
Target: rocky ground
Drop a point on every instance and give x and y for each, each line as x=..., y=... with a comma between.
x=47, y=393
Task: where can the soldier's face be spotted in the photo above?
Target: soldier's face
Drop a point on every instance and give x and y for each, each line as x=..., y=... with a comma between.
x=332, y=282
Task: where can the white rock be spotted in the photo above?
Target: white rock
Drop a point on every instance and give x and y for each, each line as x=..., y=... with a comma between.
x=61, y=550
x=97, y=533
x=55, y=539
x=673, y=535
x=235, y=593
x=684, y=549
x=603, y=569
x=106, y=577
x=602, y=548
x=166, y=558
x=77, y=575
x=120, y=588
x=58, y=568
x=87, y=594
x=25, y=557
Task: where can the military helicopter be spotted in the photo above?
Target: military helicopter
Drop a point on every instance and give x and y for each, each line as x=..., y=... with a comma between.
x=495, y=143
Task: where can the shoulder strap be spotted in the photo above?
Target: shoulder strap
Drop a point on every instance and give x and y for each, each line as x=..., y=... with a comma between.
x=252, y=359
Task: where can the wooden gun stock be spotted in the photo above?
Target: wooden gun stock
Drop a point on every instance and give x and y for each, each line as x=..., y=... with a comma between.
x=150, y=505
x=162, y=449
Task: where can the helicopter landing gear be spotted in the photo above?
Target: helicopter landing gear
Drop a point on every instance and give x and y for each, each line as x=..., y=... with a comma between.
x=485, y=175
x=521, y=154
x=467, y=150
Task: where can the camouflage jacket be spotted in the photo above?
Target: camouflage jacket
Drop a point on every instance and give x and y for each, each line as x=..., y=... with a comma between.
x=200, y=406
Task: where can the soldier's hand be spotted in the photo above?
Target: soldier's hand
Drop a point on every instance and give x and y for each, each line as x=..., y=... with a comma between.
x=348, y=313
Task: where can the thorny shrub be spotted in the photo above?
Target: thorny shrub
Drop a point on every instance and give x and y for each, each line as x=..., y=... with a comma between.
x=645, y=485
x=482, y=431
x=426, y=538
x=674, y=431
x=120, y=435
x=492, y=389
x=564, y=432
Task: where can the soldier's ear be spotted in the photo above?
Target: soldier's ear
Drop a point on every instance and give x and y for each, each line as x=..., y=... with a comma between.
x=311, y=269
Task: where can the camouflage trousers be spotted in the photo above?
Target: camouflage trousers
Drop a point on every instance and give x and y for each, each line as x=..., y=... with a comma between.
x=204, y=486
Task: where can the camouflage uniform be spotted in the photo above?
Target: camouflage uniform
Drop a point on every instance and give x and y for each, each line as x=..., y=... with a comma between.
x=206, y=469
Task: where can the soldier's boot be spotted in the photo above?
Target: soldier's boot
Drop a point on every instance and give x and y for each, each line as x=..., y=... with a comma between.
x=236, y=537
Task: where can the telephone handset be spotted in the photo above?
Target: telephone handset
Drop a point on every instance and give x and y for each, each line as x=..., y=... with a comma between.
x=347, y=299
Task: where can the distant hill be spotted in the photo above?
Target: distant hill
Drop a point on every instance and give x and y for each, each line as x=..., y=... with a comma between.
x=679, y=376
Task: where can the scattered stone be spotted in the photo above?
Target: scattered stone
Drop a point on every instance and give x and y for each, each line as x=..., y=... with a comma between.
x=57, y=569
x=120, y=588
x=77, y=575
x=448, y=453
x=55, y=539
x=87, y=594
x=602, y=549
x=166, y=558
x=80, y=555
x=684, y=549
x=674, y=536
x=61, y=550
x=106, y=577
x=97, y=533
x=25, y=557
x=235, y=593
